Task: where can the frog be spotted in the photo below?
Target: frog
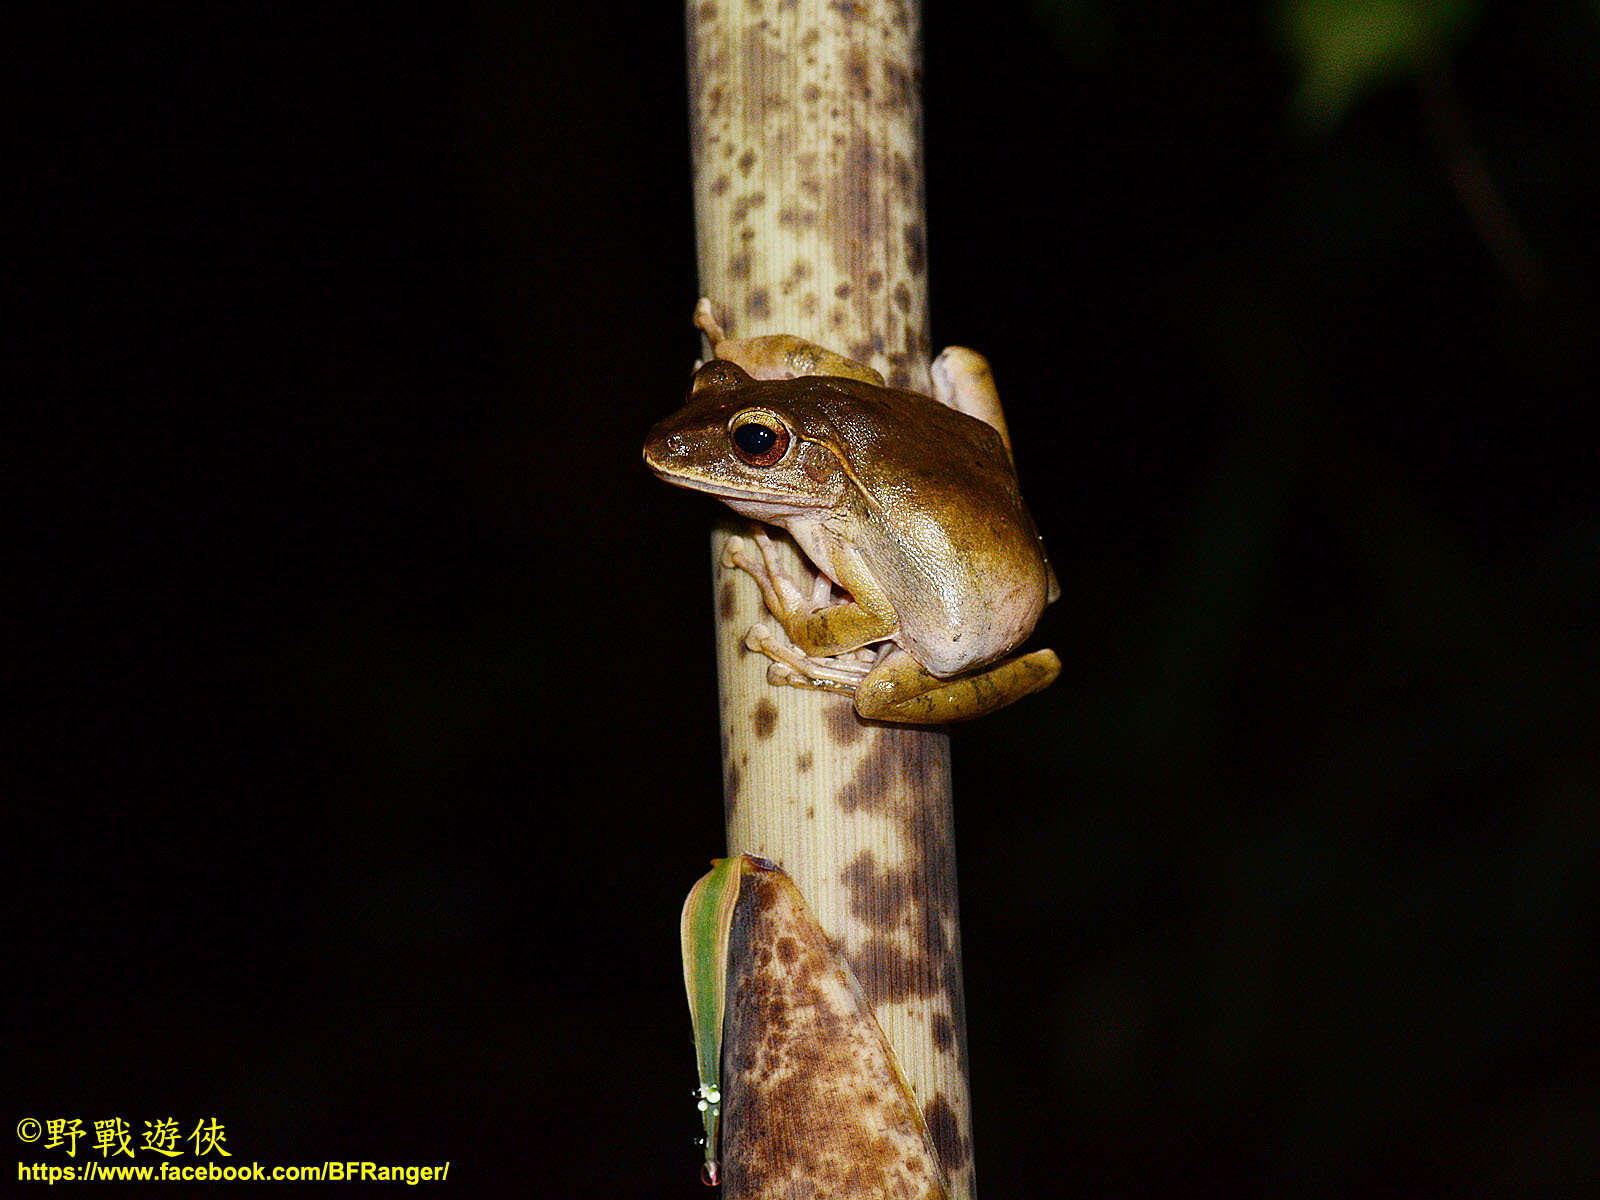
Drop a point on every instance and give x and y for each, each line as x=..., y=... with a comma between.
x=930, y=572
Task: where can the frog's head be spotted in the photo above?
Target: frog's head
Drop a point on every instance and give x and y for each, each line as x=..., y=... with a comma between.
x=741, y=439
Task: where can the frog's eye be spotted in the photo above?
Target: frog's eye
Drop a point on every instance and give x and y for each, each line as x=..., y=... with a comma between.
x=759, y=438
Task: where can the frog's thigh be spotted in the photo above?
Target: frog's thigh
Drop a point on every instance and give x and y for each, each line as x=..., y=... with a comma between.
x=963, y=381
x=901, y=689
x=791, y=667
x=837, y=629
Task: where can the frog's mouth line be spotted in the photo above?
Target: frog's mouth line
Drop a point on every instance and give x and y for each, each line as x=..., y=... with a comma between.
x=773, y=497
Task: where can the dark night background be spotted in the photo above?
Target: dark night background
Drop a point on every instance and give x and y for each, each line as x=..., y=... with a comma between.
x=367, y=741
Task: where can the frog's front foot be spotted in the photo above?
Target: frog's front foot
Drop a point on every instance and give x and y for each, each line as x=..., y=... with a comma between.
x=780, y=593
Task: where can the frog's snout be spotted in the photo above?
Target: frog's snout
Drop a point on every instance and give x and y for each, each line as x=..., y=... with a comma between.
x=660, y=449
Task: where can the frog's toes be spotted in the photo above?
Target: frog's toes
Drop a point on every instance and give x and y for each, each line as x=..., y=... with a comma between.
x=782, y=675
x=758, y=638
x=731, y=549
x=768, y=548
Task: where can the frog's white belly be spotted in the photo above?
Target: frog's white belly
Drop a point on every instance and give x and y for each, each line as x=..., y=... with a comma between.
x=960, y=626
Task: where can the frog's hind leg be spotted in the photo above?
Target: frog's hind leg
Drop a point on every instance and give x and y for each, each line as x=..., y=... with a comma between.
x=900, y=689
x=791, y=667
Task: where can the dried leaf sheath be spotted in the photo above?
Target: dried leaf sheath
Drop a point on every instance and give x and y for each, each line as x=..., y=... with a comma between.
x=818, y=1103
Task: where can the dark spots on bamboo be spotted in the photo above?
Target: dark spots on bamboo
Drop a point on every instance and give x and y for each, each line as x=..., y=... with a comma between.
x=874, y=280
x=842, y=292
x=746, y=161
x=932, y=942
x=811, y=812
x=916, y=249
x=811, y=93
x=739, y=265
x=855, y=74
x=732, y=780
x=864, y=349
x=888, y=974
x=902, y=297
x=896, y=87
x=856, y=215
x=758, y=305
x=878, y=898
x=802, y=764
x=764, y=718
x=742, y=206
x=725, y=600
x=945, y=1130
x=871, y=786
x=942, y=1031
x=843, y=726
x=903, y=179
x=788, y=950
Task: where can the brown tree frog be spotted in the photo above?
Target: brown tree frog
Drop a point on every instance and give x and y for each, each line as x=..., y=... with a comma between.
x=907, y=504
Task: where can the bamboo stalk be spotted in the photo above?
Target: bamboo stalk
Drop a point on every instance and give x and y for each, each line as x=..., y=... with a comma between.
x=806, y=134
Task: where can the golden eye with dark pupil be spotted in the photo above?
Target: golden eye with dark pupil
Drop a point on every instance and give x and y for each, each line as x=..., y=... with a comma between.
x=760, y=444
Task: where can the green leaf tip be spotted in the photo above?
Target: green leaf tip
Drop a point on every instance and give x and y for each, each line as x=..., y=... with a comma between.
x=707, y=919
